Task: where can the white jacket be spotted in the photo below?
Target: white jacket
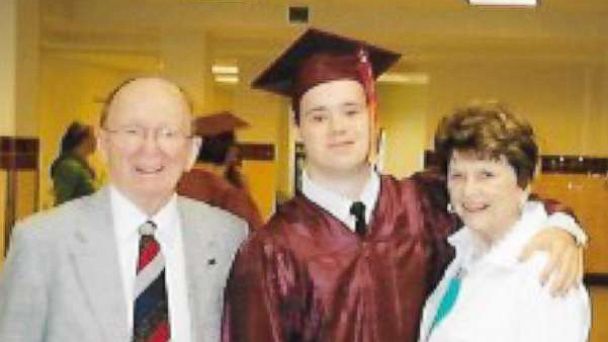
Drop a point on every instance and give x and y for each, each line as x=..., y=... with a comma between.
x=501, y=299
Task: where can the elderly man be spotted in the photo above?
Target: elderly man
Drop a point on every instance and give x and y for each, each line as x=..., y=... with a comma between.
x=132, y=262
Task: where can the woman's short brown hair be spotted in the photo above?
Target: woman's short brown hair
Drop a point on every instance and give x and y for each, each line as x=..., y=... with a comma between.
x=490, y=131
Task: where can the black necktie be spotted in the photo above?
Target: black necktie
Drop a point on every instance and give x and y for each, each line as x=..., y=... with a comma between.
x=358, y=210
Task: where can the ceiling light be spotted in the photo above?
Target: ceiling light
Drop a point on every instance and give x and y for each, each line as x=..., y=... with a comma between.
x=404, y=77
x=229, y=79
x=218, y=69
x=527, y=3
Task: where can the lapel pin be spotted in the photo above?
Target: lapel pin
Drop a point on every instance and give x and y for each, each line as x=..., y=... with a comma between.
x=211, y=262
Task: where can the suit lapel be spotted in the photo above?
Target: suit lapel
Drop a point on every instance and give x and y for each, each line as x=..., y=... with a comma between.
x=95, y=256
x=200, y=252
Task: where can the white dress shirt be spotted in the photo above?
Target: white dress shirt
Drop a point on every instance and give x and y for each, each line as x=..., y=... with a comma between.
x=338, y=205
x=500, y=298
x=127, y=218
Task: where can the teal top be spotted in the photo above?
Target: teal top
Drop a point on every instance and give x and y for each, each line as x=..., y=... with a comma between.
x=72, y=178
x=447, y=301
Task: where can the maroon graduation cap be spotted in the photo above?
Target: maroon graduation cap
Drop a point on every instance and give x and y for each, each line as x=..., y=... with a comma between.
x=217, y=123
x=317, y=57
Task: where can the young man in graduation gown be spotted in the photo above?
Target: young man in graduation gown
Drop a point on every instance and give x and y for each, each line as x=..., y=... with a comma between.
x=354, y=255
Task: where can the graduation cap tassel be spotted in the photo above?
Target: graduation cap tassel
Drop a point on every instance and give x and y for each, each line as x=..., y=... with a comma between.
x=367, y=76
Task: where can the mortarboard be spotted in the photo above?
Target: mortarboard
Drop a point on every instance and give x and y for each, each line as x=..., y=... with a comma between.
x=217, y=123
x=318, y=56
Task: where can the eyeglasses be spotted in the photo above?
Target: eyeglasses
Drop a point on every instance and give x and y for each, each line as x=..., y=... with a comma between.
x=165, y=137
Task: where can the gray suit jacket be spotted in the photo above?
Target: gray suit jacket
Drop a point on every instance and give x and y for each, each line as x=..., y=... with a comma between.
x=62, y=281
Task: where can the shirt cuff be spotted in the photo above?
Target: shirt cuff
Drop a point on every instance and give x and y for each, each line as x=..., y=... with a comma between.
x=567, y=223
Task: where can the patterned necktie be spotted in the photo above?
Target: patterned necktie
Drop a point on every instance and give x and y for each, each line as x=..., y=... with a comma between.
x=358, y=210
x=151, y=309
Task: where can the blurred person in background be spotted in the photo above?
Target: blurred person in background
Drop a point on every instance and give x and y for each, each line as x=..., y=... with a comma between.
x=71, y=173
x=489, y=157
x=216, y=177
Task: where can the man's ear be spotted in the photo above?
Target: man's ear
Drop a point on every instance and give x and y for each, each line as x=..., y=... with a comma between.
x=195, y=146
x=101, y=144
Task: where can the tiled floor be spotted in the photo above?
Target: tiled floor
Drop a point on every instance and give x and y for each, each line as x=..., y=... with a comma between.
x=599, y=328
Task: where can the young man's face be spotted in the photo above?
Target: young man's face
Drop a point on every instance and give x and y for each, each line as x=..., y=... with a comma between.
x=335, y=128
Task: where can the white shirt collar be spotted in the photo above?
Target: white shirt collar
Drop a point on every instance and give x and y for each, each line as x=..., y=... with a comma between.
x=505, y=251
x=338, y=205
x=131, y=217
x=127, y=218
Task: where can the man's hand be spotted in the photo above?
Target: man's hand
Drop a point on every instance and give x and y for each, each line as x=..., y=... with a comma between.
x=565, y=265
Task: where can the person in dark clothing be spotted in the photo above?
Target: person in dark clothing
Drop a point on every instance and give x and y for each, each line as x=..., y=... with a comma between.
x=216, y=177
x=72, y=175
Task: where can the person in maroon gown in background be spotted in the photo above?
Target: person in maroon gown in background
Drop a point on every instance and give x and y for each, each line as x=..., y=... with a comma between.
x=315, y=272
x=216, y=177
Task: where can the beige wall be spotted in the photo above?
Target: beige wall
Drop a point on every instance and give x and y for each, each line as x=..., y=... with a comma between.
x=26, y=193
x=402, y=115
x=264, y=118
x=8, y=55
x=566, y=103
x=27, y=68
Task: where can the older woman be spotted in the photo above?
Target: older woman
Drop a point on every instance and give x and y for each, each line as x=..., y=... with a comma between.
x=489, y=157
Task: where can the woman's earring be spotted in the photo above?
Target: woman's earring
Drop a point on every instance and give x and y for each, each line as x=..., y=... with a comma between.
x=450, y=209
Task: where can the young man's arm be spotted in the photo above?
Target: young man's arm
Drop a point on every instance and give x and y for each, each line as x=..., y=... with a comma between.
x=564, y=241
x=564, y=248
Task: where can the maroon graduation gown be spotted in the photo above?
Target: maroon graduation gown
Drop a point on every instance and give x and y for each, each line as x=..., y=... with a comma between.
x=308, y=277
x=203, y=185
